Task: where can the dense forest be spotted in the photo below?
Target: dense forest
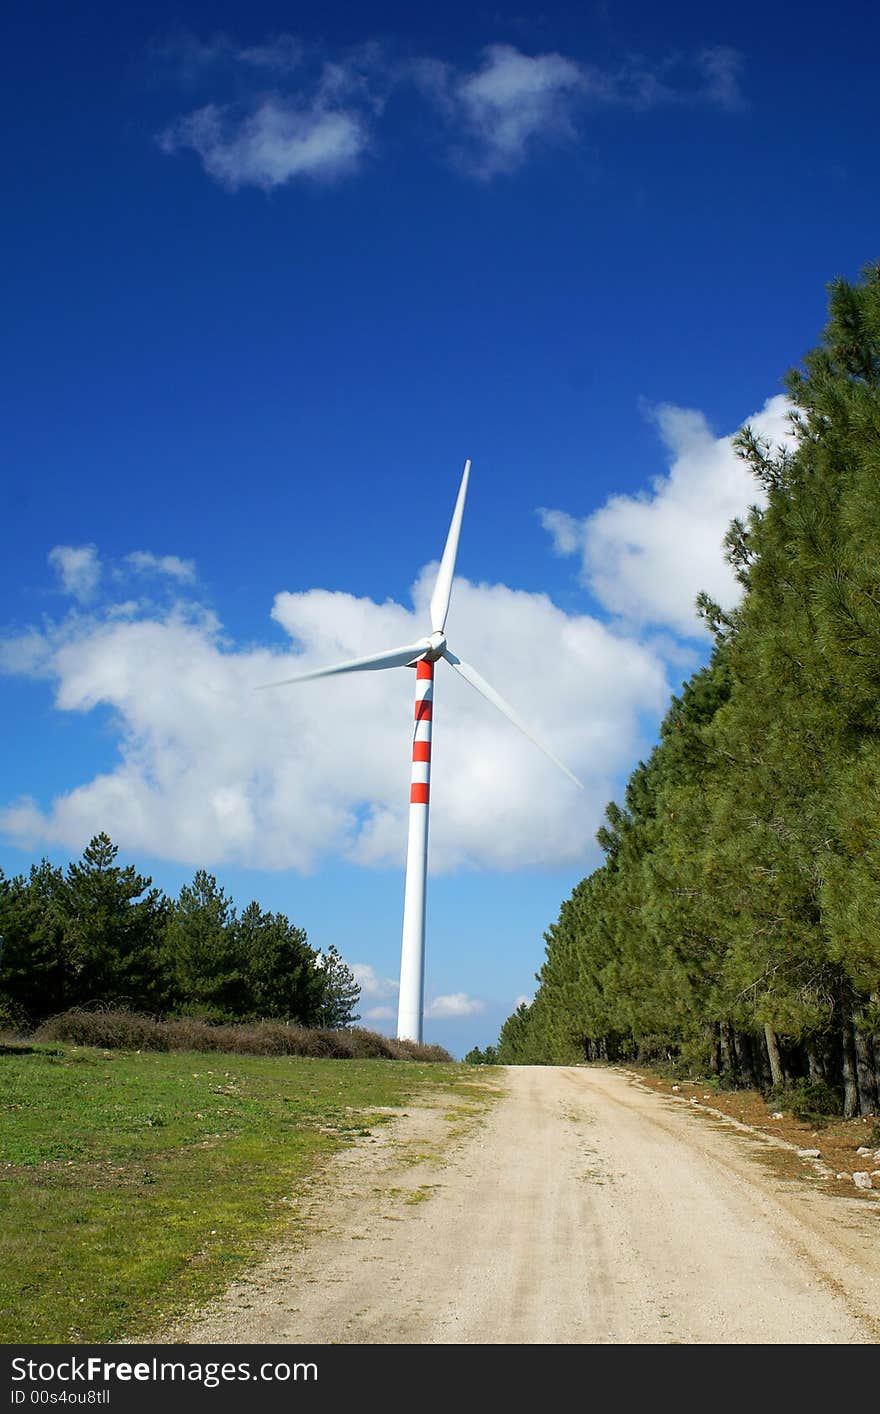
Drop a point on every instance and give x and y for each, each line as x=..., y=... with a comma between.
x=735, y=922
x=98, y=934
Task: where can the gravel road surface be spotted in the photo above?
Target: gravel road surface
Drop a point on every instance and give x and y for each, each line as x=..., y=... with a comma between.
x=580, y=1208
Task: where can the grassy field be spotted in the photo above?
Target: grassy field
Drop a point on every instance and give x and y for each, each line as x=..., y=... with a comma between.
x=134, y=1184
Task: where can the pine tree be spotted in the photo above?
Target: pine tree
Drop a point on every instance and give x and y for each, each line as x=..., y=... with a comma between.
x=280, y=972
x=737, y=912
x=113, y=932
x=34, y=969
x=340, y=992
x=200, y=946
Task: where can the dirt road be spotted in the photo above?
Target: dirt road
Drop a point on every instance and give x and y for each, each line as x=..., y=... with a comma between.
x=581, y=1209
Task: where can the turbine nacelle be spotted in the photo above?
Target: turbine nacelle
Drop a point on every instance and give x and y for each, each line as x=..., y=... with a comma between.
x=437, y=647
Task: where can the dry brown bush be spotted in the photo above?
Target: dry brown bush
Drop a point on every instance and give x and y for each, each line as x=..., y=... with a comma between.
x=130, y=1031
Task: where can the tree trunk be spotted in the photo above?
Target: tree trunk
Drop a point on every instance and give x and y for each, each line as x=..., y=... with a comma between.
x=817, y=1071
x=875, y=1041
x=850, y=1081
x=743, y=1047
x=777, y=1076
x=865, y=1076
x=759, y=1051
x=715, y=1050
x=728, y=1056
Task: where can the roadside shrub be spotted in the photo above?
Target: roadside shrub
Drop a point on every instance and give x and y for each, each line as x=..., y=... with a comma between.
x=112, y=1029
x=807, y=1099
x=13, y=1021
x=418, y=1050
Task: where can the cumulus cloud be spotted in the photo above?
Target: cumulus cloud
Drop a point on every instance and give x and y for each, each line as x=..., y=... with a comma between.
x=645, y=558
x=78, y=568
x=144, y=562
x=455, y=1005
x=282, y=139
x=208, y=769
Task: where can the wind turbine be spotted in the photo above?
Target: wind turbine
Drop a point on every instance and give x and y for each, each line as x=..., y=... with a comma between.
x=422, y=656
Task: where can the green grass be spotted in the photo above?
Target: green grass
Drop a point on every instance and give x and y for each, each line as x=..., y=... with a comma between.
x=132, y=1185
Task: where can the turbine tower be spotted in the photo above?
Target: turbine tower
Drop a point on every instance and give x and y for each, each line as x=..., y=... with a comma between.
x=422, y=656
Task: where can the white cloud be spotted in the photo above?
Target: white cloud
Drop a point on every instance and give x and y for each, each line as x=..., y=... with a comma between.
x=209, y=770
x=371, y=983
x=512, y=102
x=515, y=103
x=522, y=1000
x=79, y=569
x=25, y=654
x=380, y=1013
x=646, y=557
x=455, y=1005
x=497, y=114
x=143, y=562
x=280, y=140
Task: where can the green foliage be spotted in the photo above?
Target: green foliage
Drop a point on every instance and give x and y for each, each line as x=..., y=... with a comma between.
x=93, y=934
x=278, y=971
x=340, y=992
x=475, y=1056
x=100, y=936
x=35, y=975
x=200, y=949
x=807, y=1099
x=113, y=929
x=737, y=914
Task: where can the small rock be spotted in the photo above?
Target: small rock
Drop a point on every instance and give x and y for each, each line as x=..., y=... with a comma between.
x=843, y=1175
x=877, y=1155
x=809, y=1153
x=777, y=1114
x=862, y=1150
x=862, y=1180
x=693, y=1099
x=678, y=1087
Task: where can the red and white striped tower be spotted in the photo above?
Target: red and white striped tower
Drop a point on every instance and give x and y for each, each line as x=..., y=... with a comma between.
x=412, y=952
x=424, y=654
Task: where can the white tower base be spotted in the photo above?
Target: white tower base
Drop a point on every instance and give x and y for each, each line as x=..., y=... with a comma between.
x=412, y=951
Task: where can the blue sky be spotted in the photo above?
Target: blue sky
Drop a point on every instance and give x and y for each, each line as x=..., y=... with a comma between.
x=270, y=275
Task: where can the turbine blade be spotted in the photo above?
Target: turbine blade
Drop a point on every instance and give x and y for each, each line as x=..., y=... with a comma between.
x=443, y=587
x=473, y=677
x=393, y=658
